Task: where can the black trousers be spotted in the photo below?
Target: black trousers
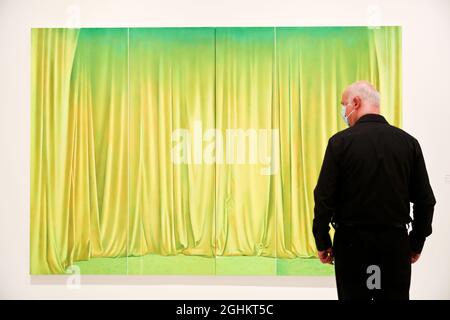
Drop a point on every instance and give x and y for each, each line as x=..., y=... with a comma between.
x=372, y=263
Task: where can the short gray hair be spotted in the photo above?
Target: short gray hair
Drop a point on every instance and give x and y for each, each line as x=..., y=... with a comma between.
x=366, y=91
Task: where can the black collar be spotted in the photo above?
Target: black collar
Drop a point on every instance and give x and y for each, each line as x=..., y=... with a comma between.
x=372, y=117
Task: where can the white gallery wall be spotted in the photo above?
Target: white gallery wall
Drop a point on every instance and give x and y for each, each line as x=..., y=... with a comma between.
x=426, y=115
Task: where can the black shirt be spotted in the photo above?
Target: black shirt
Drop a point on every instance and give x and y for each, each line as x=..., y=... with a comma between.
x=370, y=174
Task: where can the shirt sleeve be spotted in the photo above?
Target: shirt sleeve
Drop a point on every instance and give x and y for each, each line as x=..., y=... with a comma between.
x=422, y=197
x=325, y=199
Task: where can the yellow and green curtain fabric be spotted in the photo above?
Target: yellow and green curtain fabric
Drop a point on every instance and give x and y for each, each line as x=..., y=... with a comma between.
x=106, y=194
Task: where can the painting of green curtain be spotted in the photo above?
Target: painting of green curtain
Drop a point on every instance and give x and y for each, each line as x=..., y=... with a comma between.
x=106, y=194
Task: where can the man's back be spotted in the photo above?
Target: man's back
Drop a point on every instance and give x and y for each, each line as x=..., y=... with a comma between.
x=371, y=173
x=376, y=163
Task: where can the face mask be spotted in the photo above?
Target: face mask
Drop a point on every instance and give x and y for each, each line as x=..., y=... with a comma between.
x=344, y=116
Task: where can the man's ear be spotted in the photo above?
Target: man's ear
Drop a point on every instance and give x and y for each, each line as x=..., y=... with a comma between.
x=356, y=102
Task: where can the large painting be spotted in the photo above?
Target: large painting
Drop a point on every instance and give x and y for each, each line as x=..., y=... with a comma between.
x=190, y=150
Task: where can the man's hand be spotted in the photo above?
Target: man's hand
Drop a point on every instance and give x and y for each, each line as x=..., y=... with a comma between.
x=414, y=257
x=326, y=256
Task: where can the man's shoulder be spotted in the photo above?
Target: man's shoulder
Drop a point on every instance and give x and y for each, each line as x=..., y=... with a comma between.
x=338, y=136
x=350, y=131
x=402, y=132
x=407, y=137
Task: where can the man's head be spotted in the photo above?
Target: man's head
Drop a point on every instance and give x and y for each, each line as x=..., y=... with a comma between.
x=360, y=98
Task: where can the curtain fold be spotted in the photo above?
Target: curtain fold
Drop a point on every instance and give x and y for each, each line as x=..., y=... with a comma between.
x=172, y=89
x=189, y=141
x=245, y=197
